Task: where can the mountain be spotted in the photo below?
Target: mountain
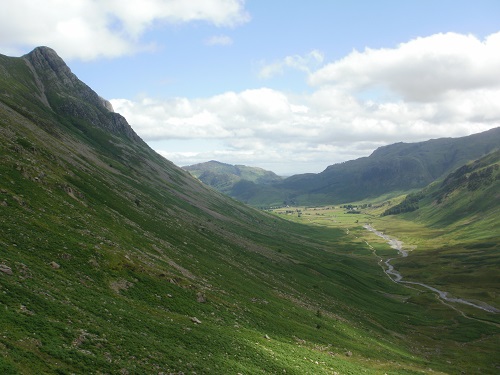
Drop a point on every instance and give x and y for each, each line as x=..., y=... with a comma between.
x=397, y=167
x=209, y=173
x=250, y=185
x=45, y=81
x=471, y=192
x=114, y=260
x=389, y=169
x=223, y=176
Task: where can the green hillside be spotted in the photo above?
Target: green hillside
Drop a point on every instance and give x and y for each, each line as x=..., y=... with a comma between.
x=470, y=192
x=250, y=185
x=115, y=261
x=453, y=225
x=209, y=171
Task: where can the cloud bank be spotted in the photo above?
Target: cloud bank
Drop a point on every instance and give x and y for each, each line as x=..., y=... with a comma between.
x=423, y=69
x=73, y=27
x=438, y=86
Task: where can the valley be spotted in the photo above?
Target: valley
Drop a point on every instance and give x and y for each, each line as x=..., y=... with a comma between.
x=113, y=260
x=397, y=277
x=430, y=241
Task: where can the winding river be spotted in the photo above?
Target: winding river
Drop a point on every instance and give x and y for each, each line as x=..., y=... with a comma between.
x=396, y=276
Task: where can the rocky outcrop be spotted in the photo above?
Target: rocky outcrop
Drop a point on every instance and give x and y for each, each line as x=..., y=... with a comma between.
x=6, y=269
x=107, y=104
x=66, y=95
x=47, y=64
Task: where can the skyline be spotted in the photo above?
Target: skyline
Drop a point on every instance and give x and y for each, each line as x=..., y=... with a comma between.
x=290, y=88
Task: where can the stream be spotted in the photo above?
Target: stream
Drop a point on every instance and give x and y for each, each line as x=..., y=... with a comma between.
x=398, y=278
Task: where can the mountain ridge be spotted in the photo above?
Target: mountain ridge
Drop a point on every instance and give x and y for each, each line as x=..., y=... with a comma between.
x=63, y=92
x=401, y=166
x=389, y=169
x=224, y=177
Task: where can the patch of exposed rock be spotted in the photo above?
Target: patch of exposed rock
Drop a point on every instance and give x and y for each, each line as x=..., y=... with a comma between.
x=6, y=269
x=64, y=93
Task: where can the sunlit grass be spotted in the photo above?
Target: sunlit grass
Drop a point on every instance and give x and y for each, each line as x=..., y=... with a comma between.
x=460, y=258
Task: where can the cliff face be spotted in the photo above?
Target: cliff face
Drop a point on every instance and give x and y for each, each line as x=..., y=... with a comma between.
x=66, y=95
x=51, y=68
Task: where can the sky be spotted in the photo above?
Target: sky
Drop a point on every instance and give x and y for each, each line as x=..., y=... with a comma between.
x=288, y=86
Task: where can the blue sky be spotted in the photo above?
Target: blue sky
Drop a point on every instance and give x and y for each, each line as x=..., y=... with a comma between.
x=289, y=86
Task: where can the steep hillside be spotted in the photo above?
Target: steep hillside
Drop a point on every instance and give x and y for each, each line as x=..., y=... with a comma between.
x=471, y=191
x=113, y=260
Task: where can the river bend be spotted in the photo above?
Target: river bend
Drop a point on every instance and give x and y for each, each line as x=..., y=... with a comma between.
x=397, y=277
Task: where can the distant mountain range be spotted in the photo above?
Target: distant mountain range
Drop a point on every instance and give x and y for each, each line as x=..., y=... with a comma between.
x=394, y=168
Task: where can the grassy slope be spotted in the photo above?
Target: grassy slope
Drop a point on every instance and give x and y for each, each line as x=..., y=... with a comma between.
x=456, y=232
x=468, y=269
x=141, y=248
x=131, y=272
x=247, y=184
x=236, y=172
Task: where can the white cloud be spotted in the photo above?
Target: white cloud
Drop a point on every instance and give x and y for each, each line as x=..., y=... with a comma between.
x=250, y=113
x=423, y=69
x=288, y=134
x=219, y=40
x=306, y=63
x=88, y=29
x=445, y=85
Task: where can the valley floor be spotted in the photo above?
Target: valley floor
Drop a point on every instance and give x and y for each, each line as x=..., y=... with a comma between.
x=418, y=254
x=397, y=277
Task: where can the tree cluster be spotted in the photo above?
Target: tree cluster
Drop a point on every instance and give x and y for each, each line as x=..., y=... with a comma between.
x=409, y=204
